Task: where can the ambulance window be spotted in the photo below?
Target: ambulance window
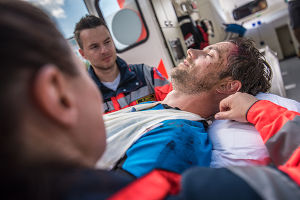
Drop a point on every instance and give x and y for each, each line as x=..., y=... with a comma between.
x=125, y=22
x=249, y=9
x=66, y=13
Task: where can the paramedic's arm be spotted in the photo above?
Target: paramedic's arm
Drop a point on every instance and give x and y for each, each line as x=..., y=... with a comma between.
x=159, y=83
x=235, y=107
x=278, y=127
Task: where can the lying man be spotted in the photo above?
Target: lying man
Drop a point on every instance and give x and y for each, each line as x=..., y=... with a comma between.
x=176, y=138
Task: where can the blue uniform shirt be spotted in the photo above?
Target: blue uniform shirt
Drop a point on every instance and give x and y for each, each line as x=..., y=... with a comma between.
x=173, y=145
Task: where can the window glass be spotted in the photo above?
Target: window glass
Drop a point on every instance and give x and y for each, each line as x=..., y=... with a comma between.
x=66, y=13
x=249, y=8
x=125, y=22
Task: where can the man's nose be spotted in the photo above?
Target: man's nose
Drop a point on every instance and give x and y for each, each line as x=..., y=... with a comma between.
x=193, y=53
x=103, y=49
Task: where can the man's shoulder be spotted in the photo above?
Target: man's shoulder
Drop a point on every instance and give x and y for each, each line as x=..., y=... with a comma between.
x=123, y=63
x=139, y=67
x=142, y=70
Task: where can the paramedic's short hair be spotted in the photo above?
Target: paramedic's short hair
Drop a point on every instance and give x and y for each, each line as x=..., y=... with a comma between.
x=249, y=66
x=87, y=22
x=29, y=41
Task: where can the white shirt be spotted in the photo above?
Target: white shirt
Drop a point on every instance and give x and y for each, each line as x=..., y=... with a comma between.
x=113, y=85
x=240, y=144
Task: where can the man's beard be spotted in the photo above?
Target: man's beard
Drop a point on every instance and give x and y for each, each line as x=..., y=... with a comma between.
x=187, y=82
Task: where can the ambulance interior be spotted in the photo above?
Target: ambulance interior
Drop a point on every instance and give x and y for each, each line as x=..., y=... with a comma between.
x=156, y=32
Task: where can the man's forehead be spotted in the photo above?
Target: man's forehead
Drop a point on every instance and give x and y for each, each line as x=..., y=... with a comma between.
x=94, y=35
x=220, y=46
x=99, y=31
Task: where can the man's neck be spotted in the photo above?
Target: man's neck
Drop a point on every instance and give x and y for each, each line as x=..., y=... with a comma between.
x=204, y=104
x=107, y=75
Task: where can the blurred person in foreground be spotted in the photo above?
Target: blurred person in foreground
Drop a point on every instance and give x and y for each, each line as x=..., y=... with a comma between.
x=52, y=131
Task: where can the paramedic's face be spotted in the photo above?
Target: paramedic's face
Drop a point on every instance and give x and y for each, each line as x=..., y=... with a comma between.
x=98, y=47
x=201, y=69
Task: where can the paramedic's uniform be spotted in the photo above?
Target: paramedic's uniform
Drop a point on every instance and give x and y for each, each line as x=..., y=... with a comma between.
x=138, y=83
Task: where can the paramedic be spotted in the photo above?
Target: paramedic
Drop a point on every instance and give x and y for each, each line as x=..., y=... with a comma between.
x=51, y=125
x=279, y=129
x=121, y=85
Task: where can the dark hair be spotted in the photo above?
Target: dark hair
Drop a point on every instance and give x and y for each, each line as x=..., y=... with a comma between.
x=29, y=40
x=249, y=66
x=87, y=22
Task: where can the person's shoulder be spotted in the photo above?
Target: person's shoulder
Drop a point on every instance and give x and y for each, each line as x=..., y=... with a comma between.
x=139, y=66
x=122, y=63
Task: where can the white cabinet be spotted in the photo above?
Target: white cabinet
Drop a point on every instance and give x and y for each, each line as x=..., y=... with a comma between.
x=168, y=22
x=165, y=13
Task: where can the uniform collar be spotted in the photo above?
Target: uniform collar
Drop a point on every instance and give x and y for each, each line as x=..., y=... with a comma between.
x=126, y=75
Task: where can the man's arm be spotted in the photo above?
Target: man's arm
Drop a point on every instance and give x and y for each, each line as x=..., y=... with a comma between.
x=161, y=85
x=267, y=117
x=278, y=127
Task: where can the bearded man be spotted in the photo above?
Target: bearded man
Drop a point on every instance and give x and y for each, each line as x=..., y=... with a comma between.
x=172, y=134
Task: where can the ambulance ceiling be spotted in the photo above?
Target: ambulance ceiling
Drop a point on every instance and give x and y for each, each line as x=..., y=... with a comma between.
x=225, y=7
x=229, y=5
x=232, y=4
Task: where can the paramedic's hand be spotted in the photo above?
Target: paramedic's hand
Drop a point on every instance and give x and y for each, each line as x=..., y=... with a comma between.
x=235, y=107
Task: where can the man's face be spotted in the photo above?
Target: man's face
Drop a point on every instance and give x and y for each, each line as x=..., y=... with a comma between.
x=89, y=134
x=98, y=47
x=201, y=69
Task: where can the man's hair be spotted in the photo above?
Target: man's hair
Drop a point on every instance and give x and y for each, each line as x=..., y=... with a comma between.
x=249, y=66
x=29, y=40
x=87, y=22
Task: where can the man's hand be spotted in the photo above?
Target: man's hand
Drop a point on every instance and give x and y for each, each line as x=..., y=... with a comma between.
x=236, y=106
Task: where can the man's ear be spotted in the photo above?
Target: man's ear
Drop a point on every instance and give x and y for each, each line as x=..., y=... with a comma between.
x=81, y=52
x=229, y=86
x=54, y=96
